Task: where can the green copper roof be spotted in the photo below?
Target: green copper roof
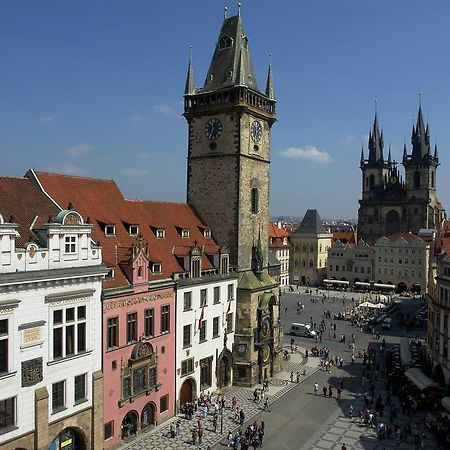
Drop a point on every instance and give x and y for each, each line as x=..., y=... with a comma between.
x=249, y=280
x=231, y=64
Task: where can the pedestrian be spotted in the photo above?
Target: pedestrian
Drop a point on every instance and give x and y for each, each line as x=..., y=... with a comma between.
x=339, y=392
x=230, y=439
x=344, y=447
x=215, y=423
x=324, y=390
x=266, y=405
x=178, y=428
x=172, y=429
x=298, y=376
x=292, y=376
x=200, y=436
x=285, y=310
x=330, y=391
x=261, y=436
x=316, y=388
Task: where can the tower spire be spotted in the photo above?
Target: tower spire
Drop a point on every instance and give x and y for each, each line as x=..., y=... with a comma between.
x=389, y=155
x=361, y=161
x=190, y=85
x=375, y=142
x=270, y=90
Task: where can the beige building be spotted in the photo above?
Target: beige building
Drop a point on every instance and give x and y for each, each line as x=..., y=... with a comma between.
x=279, y=245
x=351, y=262
x=402, y=260
x=309, y=250
x=438, y=325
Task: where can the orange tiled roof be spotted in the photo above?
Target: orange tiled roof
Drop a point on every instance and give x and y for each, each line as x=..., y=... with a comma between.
x=408, y=237
x=278, y=235
x=102, y=201
x=24, y=203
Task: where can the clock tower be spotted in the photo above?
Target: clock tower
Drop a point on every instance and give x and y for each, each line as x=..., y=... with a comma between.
x=229, y=121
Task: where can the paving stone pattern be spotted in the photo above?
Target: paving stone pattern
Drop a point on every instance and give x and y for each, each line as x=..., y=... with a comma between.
x=159, y=437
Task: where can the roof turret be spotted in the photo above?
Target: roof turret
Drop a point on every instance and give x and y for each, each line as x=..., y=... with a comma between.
x=270, y=90
x=419, y=139
x=190, y=84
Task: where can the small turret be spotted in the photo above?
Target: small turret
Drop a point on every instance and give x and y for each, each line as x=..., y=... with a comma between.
x=190, y=85
x=361, y=161
x=270, y=90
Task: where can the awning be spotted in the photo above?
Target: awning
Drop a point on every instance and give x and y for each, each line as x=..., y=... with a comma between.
x=383, y=286
x=336, y=282
x=265, y=300
x=420, y=379
x=405, y=351
x=446, y=403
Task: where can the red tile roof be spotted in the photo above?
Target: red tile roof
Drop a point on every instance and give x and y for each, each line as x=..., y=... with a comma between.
x=25, y=204
x=278, y=235
x=408, y=237
x=102, y=201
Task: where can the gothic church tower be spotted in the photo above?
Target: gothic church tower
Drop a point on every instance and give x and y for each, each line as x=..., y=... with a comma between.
x=229, y=121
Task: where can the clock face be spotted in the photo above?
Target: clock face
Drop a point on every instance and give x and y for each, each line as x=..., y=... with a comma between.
x=242, y=348
x=213, y=128
x=256, y=131
x=265, y=327
x=265, y=353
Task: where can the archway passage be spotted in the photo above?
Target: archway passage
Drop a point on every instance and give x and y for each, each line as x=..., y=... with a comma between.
x=148, y=416
x=392, y=222
x=68, y=439
x=401, y=287
x=129, y=425
x=224, y=376
x=187, y=391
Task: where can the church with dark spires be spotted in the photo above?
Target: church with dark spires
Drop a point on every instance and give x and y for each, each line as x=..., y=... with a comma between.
x=392, y=202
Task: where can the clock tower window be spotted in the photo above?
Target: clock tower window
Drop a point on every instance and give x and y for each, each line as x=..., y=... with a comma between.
x=255, y=200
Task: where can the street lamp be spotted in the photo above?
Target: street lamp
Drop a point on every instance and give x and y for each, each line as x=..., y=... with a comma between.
x=221, y=419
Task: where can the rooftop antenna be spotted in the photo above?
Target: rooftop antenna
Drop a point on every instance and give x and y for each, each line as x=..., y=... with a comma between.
x=239, y=8
x=420, y=99
x=376, y=105
x=225, y=9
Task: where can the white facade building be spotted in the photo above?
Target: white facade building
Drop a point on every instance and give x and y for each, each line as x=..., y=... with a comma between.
x=50, y=334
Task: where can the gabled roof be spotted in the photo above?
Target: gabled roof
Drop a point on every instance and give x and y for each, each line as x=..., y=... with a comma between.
x=24, y=203
x=408, y=237
x=275, y=232
x=311, y=223
x=102, y=201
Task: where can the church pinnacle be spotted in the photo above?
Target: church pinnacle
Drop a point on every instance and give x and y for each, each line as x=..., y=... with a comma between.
x=375, y=143
x=190, y=85
x=270, y=90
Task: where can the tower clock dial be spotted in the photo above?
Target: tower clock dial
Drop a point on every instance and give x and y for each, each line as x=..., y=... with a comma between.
x=213, y=128
x=256, y=131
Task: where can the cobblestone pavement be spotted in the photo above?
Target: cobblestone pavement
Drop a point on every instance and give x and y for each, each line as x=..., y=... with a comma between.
x=158, y=437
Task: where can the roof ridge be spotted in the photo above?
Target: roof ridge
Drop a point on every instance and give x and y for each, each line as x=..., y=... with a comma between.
x=16, y=177
x=143, y=200
x=74, y=176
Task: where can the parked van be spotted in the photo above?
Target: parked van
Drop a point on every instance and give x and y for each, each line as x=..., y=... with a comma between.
x=387, y=323
x=301, y=329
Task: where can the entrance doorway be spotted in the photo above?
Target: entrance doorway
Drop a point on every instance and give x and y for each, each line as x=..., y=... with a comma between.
x=148, y=416
x=187, y=391
x=68, y=439
x=224, y=378
x=129, y=425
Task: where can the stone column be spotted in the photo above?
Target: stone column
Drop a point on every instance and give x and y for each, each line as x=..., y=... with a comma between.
x=97, y=410
x=42, y=438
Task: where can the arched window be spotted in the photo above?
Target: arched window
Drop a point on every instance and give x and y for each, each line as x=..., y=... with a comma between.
x=416, y=179
x=225, y=42
x=311, y=264
x=255, y=200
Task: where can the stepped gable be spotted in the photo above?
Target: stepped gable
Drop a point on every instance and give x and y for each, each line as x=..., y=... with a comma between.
x=25, y=204
x=102, y=201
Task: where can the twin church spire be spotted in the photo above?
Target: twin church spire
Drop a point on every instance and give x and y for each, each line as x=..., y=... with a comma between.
x=231, y=64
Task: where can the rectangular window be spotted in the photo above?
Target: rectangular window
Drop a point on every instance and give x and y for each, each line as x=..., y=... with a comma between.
x=134, y=230
x=187, y=336
x=165, y=319
x=149, y=323
x=109, y=430
x=187, y=366
x=164, y=403
x=217, y=294
x=113, y=332
x=4, y=346
x=69, y=332
x=58, y=396
x=203, y=331
x=161, y=233
x=156, y=268
x=187, y=303
x=110, y=230
x=7, y=414
x=80, y=388
x=70, y=244
x=216, y=326
x=185, y=232
x=110, y=274
x=131, y=327
x=230, y=292
x=203, y=297
x=229, y=322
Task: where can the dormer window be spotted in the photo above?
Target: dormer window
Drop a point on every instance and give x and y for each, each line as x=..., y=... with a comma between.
x=185, y=232
x=160, y=233
x=284, y=241
x=225, y=42
x=110, y=230
x=133, y=230
x=156, y=268
x=70, y=244
x=207, y=233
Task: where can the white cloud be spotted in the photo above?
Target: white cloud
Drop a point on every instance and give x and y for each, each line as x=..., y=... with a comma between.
x=350, y=139
x=166, y=110
x=68, y=169
x=137, y=118
x=78, y=150
x=131, y=172
x=46, y=119
x=309, y=153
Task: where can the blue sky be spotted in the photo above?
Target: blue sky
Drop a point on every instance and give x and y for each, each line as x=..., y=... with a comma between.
x=95, y=88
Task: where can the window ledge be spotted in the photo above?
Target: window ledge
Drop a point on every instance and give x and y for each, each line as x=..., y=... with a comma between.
x=81, y=401
x=202, y=340
x=216, y=336
x=187, y=309
x=6, y=375
x=187, y=346
x=186, y=374
x=8, y=429
x=68, y=358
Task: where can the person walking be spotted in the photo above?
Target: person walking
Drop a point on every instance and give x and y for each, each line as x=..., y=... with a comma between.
x=260, y=436
x=316, y=388
x=292, y=376
x=266, y=404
